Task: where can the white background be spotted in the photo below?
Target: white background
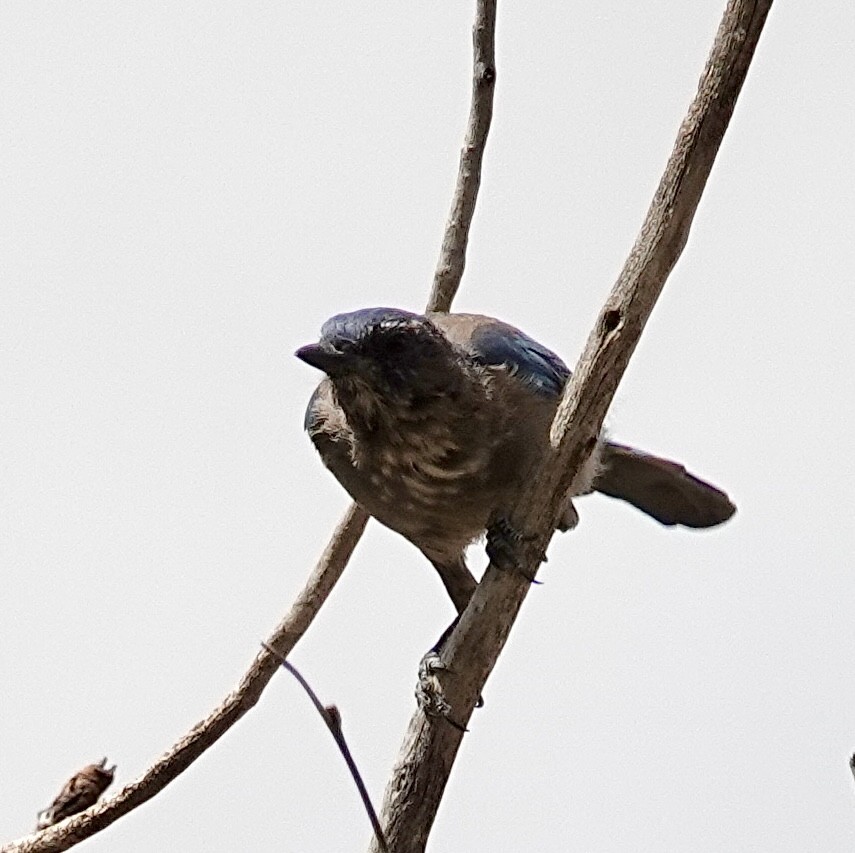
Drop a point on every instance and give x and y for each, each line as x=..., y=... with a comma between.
x=189, y=190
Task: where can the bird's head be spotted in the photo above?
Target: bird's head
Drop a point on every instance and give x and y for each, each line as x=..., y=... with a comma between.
x=382, y=357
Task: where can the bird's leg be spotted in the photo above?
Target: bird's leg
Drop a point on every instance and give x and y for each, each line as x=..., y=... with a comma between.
x=460, y=584
x=506, y=548
x=457, y=580
x=437, y=647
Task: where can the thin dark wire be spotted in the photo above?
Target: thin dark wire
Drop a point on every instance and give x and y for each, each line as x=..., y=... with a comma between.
x=332, y=718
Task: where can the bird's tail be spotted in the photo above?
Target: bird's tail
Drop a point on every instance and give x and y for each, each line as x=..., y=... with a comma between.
x=663, y=489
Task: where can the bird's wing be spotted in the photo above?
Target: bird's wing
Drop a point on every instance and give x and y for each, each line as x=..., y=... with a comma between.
x=493, y=343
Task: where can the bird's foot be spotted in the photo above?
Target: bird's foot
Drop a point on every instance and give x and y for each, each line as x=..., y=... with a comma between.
x=429, y=693
x=433, y=660
x=506, y=547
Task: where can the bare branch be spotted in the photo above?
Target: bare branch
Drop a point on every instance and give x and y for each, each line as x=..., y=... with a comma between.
x=338, y=552
x=430, y=746
x=452, y=257
x=204, y=734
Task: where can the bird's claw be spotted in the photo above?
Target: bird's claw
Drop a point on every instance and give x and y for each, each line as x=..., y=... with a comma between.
x=429, y=693
x=506, y=547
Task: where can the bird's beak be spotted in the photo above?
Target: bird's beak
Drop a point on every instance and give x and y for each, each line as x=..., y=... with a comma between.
x=330, y=362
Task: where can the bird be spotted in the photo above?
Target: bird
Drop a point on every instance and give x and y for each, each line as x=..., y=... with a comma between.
x=81, y=791
x=432, y=422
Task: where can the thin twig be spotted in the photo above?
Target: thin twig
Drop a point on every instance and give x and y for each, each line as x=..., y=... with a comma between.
x=430, y=746
x=331, y=716
x=452, y=256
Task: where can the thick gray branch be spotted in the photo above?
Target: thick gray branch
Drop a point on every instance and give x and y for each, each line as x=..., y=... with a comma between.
x=430, y=745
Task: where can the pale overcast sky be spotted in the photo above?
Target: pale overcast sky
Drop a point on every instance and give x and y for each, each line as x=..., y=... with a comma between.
x=188, y=190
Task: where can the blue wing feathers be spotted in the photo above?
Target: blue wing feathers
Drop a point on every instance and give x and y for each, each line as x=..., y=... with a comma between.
x=497, y=344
